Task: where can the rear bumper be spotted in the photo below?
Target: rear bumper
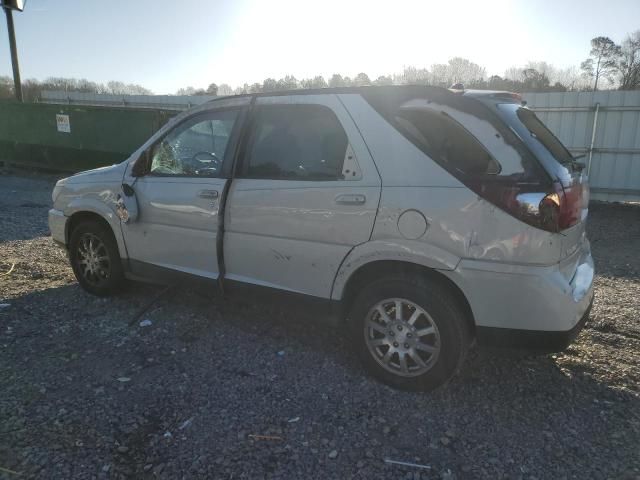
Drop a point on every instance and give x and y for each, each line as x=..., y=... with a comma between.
x=541, y=341
x=536, y=307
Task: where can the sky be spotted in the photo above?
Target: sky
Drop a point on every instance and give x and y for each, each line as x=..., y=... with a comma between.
x=167, y=44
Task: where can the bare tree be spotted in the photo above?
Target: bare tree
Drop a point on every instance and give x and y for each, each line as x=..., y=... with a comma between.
x=629, y=62
x=514, y=74
x=571, y=78
x=603, y=60
x=6, y=87
x=413, y=76
x=456, y=70
x=121, y=88
x=225, y=89
x=186, y=91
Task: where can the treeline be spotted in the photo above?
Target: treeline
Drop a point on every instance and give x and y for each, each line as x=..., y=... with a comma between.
x=536, y=77
x=31, y=89
x=608, y=64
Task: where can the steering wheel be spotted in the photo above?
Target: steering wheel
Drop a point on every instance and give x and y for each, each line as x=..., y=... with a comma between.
x=207, y=163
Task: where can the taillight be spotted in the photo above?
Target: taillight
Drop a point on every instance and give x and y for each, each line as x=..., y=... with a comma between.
x=553, y=211
x=570, y=206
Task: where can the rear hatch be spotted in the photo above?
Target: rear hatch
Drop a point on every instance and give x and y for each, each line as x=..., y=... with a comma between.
x=567, y=174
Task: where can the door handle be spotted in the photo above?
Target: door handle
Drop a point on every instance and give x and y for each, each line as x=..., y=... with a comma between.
x=209, y=194
x=351, y=199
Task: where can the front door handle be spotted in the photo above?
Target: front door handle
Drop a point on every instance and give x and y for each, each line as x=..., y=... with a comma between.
x=351, y=199
x=209, y=194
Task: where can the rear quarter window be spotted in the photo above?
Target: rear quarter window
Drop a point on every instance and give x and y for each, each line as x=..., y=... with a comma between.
x=463, y=135
x=449, y=142
x=466, y=143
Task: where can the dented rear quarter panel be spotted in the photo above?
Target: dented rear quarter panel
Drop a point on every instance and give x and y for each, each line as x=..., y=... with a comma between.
x=460, y=224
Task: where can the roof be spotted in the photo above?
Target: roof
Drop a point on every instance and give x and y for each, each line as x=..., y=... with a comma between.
x=372, y=90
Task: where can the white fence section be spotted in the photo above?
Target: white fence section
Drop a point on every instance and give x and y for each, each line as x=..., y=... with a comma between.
x=603, y=126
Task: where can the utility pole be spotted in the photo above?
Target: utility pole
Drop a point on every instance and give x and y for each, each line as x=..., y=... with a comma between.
x=9, y=6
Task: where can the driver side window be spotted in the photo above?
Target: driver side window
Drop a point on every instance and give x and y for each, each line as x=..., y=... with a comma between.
x=196, y=147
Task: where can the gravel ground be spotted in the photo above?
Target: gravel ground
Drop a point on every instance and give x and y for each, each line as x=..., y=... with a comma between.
x=85, y=395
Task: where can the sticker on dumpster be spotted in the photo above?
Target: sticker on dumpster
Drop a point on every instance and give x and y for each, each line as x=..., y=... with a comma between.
x=64, y=125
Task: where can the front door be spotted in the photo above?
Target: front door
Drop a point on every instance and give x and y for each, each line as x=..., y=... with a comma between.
x=179, y=195
x=305, y=193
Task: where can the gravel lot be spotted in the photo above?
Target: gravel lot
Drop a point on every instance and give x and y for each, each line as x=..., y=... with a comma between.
x=85, y=395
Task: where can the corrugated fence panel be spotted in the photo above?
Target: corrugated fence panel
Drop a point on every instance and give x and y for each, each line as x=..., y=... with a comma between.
x=172, y=102
x=615, y=158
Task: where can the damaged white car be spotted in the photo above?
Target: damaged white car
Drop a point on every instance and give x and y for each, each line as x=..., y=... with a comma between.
x=429, y=218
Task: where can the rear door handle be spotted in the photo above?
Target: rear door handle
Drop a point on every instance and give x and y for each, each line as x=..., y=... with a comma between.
x=351, y=199
x=209, y=194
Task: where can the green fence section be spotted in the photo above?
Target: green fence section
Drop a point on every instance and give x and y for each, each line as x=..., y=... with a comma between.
x=32, y=135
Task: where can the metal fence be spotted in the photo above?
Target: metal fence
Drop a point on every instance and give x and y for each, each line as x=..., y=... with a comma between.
x=603, y=126
x=164, y=102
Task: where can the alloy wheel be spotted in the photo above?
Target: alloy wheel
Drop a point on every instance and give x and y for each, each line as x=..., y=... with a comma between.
x=402, y=337
x=93, y=259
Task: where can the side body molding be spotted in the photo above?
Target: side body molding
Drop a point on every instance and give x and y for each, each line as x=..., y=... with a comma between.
x=409, y=251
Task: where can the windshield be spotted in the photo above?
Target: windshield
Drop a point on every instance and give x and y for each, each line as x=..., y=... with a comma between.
x=533, y=131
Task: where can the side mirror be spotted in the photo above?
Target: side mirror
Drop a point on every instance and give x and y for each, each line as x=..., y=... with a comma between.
x=141, y=165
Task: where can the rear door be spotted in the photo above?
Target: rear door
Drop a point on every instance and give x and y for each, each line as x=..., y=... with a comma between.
x=179, y=194
x=305, y=193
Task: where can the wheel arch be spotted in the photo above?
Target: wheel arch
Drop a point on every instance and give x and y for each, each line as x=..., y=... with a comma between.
x=378, y=268
x=83, y=216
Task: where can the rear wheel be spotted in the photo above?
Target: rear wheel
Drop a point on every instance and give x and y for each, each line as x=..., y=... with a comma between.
x=409, y=331
x=95, y=259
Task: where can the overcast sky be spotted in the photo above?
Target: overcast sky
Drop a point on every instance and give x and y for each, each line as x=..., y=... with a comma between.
x=167, y=44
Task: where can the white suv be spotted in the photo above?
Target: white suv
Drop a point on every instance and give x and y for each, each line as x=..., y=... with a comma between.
x=430, y=218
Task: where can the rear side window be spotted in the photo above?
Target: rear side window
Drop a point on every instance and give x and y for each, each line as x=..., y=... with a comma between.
x=541, y=133
x=461, y=134
x=296, y=142
x=448, y=141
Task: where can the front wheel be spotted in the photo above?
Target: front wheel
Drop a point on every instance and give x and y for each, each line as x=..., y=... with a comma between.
x=409, y=331
x=95, y=259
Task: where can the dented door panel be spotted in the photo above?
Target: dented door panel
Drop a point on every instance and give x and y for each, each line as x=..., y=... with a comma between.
x=293, y=234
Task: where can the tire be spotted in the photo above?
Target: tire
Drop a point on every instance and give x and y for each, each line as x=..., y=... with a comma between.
x=94, y=242
x=434, y=346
